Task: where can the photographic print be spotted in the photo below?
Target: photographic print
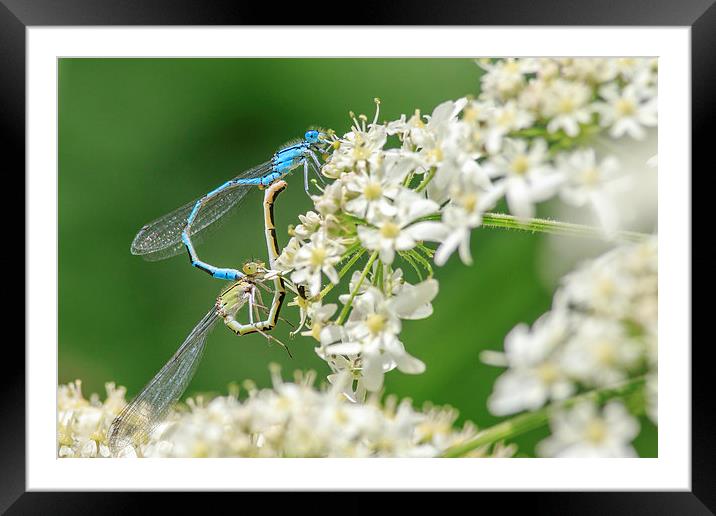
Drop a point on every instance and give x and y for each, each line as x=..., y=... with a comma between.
x=358, y=257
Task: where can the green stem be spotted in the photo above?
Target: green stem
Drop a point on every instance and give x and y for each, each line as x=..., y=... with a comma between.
x=531, y=420
x=428, y=177
x=555, y=227
x=344, y=313
x=343, y=271
x=504, y=221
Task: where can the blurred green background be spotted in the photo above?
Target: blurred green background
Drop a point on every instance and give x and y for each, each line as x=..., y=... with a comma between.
x=140, y=137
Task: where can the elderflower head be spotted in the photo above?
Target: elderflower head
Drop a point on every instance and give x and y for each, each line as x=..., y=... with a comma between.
x=503, y=120
x=626, y=111
x=566, y=104
x=402, y=230
x=373, y=327
x=359, y=149
x=504, y=78
x=524, y=174
x=470, y=197
x=438, y=139
x=315, y=258
x=371, y=194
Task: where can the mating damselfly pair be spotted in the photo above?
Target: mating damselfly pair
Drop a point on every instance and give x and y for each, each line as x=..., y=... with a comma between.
x=166, y=236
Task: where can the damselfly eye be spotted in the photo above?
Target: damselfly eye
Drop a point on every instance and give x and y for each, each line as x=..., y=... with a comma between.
x=250, y=268
x=312, y=136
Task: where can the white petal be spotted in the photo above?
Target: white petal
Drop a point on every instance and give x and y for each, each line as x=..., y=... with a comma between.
x=344, y=348
x=427, y=230
x=518, y=199
x=372, y=373
x=409, y=364
x=413, y=297
x=421, y=207
x=387, y=255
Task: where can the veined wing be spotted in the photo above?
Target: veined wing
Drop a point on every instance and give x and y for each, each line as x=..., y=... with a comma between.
x=140, y=417
x=161, y=238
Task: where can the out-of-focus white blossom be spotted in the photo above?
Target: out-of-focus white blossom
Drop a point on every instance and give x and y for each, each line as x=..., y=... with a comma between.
x=502, y=121
x=566, y=104
x=291, y=419
x=535, y=374
x=601, y=331
x=504, y=78
x=525, y=174
x=587, y=181
x=82, y=424
x=586, y=431
x=626, y=111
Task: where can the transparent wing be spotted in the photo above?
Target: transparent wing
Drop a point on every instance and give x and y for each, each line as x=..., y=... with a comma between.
x=140, y=417
x=162, y=238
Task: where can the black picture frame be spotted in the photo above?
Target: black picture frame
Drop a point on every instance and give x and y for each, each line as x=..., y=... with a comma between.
x=17, y=15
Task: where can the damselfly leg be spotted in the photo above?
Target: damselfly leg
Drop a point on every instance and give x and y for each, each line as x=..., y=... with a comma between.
x=272, y=192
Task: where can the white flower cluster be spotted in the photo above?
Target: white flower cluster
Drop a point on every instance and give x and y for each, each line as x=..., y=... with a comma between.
x=292, y=419
x=602, y=330
x=82, y=424
x=432, y=178
x=536, y=118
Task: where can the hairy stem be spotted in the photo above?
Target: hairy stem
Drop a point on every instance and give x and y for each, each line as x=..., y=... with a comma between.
x=504, y=221
x=555, y=227
x=531, y=420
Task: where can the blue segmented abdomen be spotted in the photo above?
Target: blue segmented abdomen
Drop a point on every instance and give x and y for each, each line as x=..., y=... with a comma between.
x=254, y=181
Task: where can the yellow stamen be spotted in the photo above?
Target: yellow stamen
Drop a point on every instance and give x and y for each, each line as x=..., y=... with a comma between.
x=520, y=165
x=373, y=191
x=375, y=323
x=596, y=431
x=469, y=202
x=389, y=230
x=606, y=352
x=548, y=373
x=590, y=176
x=318, y=255
x=625, y=107
x=566, y=105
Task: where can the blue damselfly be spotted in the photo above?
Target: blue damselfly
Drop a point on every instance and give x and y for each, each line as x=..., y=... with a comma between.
x=166, y=236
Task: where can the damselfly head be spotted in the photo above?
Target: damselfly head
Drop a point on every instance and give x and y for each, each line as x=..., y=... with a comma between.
x=316, y=134
x=313, y=135
x=253, y=267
